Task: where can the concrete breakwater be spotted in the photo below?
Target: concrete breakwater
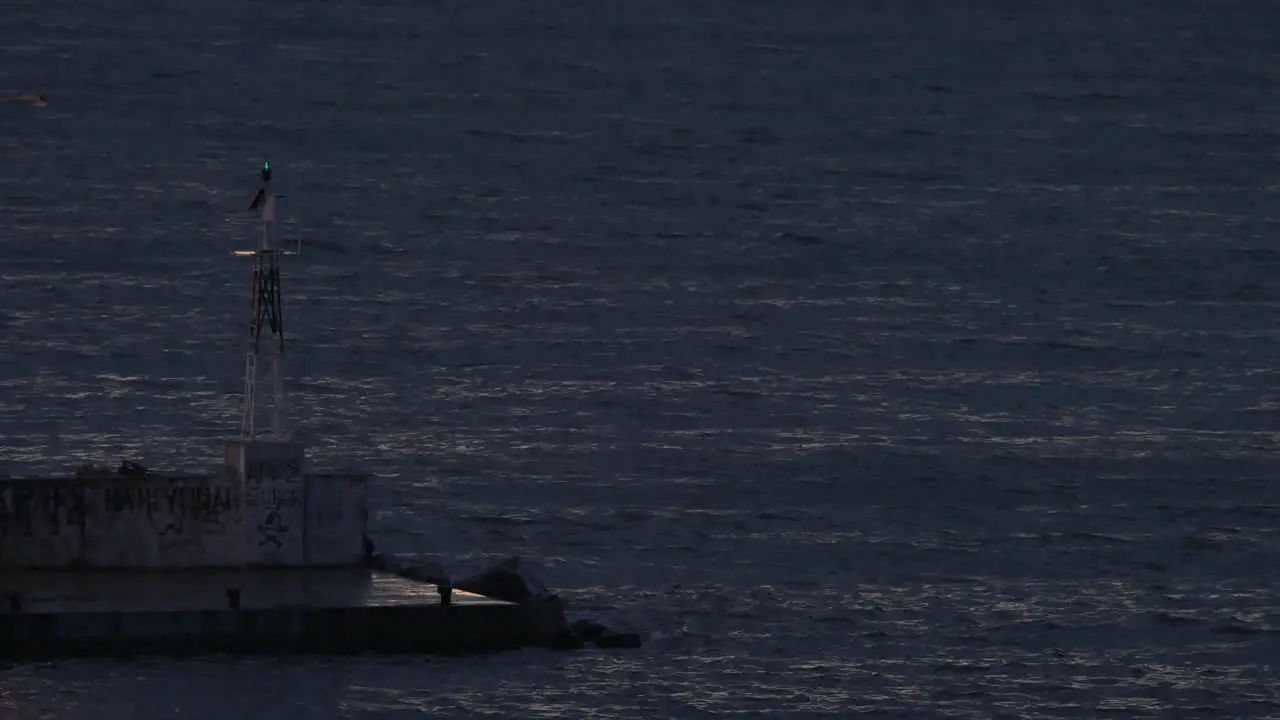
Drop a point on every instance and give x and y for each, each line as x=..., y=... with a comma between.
x=263, y=556
x=104, y=563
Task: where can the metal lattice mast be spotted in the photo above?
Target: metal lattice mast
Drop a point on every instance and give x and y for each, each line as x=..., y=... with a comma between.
x=267, y=315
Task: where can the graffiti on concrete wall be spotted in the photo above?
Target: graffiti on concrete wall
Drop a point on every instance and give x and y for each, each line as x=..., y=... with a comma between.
x=172, y=509
x=273, y=503
x=39, y=507
x=159, y=521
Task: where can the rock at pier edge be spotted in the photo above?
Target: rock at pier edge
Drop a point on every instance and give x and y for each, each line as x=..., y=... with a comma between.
x=515, y=580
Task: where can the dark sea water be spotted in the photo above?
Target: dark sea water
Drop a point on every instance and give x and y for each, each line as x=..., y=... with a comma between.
x=913, y=359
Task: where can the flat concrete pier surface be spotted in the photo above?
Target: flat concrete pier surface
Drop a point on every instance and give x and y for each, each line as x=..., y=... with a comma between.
x=58, y=613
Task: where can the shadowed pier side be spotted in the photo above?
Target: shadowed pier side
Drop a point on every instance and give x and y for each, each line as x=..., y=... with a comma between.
x=50, y=613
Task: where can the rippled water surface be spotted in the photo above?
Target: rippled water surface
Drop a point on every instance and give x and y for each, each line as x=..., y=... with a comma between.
x=912, y=358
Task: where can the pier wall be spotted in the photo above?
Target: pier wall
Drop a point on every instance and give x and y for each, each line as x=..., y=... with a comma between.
x=154, y=522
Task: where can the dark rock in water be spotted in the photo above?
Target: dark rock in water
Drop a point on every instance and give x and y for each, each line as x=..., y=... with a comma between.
x=515, y=581
x=511, y=580
x=599, y=634
x=499, y=586
x=628, y=640
x=131, y=469
x=384, y=562
x=567, y=640
x=428, y=572
x=544, y=621
x=421, y=570
x=588, y=630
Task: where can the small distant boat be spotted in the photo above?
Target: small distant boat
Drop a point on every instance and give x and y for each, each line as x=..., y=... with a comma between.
x=37, y=100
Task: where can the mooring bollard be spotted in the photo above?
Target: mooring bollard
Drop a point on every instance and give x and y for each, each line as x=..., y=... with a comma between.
x=446, y=592
x=15, y=602
x=233, y=598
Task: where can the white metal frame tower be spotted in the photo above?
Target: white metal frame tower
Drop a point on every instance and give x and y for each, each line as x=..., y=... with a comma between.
x=268, y=315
